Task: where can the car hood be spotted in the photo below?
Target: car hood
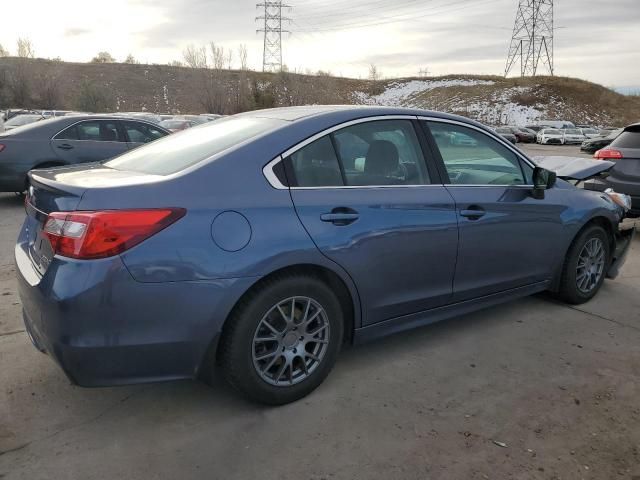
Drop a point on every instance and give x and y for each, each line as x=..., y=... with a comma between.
x=574, y=168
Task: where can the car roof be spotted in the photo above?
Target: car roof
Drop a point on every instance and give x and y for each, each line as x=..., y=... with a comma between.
x=343, y=113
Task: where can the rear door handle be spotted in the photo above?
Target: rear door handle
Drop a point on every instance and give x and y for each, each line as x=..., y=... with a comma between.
x=65, y=146
x=340, y=216
x=473, y=213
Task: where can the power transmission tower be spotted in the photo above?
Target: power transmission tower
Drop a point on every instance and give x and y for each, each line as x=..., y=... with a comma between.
x=272, y=29
x=532, y=38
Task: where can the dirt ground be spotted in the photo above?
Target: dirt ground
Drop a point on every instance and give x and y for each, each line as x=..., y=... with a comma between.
x=532, y=389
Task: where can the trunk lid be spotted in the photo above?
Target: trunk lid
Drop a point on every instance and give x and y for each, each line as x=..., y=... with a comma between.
x=61, y=189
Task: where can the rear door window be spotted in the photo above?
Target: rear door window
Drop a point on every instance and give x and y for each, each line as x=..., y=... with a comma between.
x=368, y=154
x=316, y=165
x=93, y=130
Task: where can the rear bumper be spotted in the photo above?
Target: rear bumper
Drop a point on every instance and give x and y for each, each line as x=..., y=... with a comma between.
x=104, y=328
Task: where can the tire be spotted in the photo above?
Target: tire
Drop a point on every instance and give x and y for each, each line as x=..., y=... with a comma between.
x=263, y=354
x=576, y=288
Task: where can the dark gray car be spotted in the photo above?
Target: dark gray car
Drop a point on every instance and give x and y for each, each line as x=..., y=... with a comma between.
x=68, y=141
x=624, y=177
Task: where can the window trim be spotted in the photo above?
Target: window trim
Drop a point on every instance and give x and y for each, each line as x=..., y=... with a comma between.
x=271, y=177
x=519, y=155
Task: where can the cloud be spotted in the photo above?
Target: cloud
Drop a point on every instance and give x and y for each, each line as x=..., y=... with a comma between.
x=446, y=36
x=76, y=31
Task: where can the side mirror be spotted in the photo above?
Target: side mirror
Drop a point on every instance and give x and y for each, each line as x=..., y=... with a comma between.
x=542, y=180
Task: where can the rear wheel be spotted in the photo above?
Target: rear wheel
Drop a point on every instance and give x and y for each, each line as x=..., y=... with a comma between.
x=283, y=339
x=585, y=266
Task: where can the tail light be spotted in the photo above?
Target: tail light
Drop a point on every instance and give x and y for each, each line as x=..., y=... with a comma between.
x=608, y=154
x=90, y=235
x=1, y=146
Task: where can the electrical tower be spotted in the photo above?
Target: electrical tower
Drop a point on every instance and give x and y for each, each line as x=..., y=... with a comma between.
x=532, y=38
x=272, y=29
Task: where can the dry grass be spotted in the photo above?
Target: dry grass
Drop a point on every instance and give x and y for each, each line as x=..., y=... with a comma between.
x=162, y=88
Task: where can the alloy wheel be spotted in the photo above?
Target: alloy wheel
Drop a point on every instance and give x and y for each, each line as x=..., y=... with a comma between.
x=590, y=265
x=290, y=341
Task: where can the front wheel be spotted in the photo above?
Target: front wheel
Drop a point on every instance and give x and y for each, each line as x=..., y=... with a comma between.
x=283, y=339
x=585, y=266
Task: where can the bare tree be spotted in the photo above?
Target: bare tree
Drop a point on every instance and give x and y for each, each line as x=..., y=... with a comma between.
x=47, y=87
x=3, y=51
x=131, y=59
x=103, y=57
x=25, y=48
x=229, y=59
x=242, y=53
x=175, y=63
x=19, y=84
x=374, y=73
x=195, y=57
x=217, y=56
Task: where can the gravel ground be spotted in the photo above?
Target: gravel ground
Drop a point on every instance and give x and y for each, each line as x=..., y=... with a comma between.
x=532, y=389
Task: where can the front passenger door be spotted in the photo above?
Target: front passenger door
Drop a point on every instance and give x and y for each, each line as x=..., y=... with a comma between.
x=89, y=141
x=507, y=238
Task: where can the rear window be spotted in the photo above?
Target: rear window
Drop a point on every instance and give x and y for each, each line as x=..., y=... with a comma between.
x=627, y=139
x=177, y=152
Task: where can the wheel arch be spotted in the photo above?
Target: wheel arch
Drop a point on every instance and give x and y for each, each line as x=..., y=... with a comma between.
x=348, y=301
x=600, y=220
x=341, y=286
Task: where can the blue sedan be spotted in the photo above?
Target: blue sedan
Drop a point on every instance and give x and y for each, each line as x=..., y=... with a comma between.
x=263, y=242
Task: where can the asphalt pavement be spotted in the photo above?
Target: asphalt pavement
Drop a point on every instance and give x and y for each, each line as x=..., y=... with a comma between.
x=532, y=389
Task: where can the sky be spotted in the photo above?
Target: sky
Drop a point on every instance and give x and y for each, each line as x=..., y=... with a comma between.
x=595, y=39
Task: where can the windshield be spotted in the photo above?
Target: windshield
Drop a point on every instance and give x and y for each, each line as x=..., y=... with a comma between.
x=572, y=132
x=589, y=131
x=550, y=132
x=182, y=150
x=20, y=120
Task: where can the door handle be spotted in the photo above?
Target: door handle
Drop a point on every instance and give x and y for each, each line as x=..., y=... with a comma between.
x=340, y=216
x=65, y=146
x=473, y=213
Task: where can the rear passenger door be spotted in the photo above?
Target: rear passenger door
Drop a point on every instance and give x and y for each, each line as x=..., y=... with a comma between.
x=373, y=205
x=89, y=141
x=139, y=133
x=507, y=238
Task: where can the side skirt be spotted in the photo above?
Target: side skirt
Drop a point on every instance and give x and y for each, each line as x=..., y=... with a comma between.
x=407, y=322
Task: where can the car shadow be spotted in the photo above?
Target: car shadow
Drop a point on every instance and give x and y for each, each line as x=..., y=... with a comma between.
x=11, y=200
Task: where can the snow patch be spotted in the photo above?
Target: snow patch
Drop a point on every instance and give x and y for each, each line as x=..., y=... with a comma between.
x=400, y=94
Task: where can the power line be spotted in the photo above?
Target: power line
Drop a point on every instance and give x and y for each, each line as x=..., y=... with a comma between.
x=272, y=28
x=532, y=38
x=397, y=18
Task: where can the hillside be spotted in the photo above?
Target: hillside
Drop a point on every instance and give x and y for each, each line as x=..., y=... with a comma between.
x=160, y=88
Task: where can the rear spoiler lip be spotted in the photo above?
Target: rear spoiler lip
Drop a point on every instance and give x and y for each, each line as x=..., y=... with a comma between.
x=40, y=179
x=574, y=168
